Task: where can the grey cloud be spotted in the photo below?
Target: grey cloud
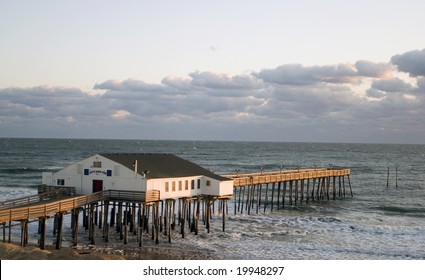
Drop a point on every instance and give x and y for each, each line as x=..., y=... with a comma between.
x=223, y=81
x=375, y=70
x=128, y=85
x=393, y=85
x=178, y=83
x=412, y=62
x=296, y=74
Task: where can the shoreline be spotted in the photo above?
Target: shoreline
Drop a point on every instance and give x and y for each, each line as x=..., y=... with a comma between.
x=11, y=251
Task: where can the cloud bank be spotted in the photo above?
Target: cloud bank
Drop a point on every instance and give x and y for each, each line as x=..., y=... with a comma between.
x=364, y=101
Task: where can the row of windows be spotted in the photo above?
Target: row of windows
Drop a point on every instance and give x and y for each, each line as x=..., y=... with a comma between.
x=178, y=186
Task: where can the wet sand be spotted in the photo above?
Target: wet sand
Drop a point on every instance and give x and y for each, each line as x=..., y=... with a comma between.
x=102, y=252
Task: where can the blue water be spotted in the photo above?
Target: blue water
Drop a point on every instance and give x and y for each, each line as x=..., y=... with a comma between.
x=380, y=222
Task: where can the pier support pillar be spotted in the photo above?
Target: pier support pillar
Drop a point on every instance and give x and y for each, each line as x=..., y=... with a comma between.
x=42, y=225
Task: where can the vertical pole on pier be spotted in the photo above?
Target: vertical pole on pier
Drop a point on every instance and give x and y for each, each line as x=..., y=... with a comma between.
x=119, y=221
x=183, y=215
x=100, y=216
x=243, y=197
x=312, y=189
x=112, y=222
x=167, y=203
x=302, y=191
x=388, y=175
x=278, y=194
x=328, y=184
x=271, y=202
x=334, y=188
x=296, y=192
x=105, y=221
x=290, y=191
x=266, y=198
x=396, y=176
x=155, y=213
x=92, y=223
x=4, y=231
x=319, y=186
x=173, y=214
x=259, y=187
x=76, y=214
x=42, y=233
x=308, y=190
x=10, y=231
x=59, y=230
x=198, y=211
x=343, y=186
x=133, y=218
x=142, y=224
x=170, y=215
x=24, y=232
x=126, y=223
x=284, y=194
x=224, y=213
x=161, y=216
x=349, y=183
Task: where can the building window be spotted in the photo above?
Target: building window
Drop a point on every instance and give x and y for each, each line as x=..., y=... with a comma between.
x=208, y=183
x=167, y=187
x=97, y=164
x=186, y=185
x=192, y=184
x=173, y=188
x=180, y=185
x=61, y=182
x=199, y=184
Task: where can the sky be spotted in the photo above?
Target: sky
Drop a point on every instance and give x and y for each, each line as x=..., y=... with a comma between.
x=293, y=71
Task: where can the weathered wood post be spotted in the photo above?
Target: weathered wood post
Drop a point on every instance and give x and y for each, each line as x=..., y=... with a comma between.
x=24, y=232
x=59, y=230
x=349, y=183
x=4, y=231
x=76, y=214
x=42, y=232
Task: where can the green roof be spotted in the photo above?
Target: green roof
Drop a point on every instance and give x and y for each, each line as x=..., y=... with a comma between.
x=156, y=166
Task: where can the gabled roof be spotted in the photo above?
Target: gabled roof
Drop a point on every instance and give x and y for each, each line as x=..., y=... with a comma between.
x=156, y=166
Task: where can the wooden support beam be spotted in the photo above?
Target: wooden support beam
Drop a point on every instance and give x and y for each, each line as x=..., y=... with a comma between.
x=42, y=224
x=59, y=230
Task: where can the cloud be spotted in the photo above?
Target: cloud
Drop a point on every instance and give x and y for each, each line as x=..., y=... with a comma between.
x=342, y=102
x=128, y=85
x=223, y=81
x=412, y=62
x=374, y=70
x=343, y=73
x=393, y=85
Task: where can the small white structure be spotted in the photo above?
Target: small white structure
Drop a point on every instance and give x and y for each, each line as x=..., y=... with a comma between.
x=173, y=176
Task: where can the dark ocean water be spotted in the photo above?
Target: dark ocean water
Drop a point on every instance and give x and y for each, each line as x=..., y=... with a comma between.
x=380, y=222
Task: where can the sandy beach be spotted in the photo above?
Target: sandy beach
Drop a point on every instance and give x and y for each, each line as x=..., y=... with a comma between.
x=112, y=251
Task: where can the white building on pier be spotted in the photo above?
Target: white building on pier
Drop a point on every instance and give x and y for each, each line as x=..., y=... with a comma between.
x=173, y=176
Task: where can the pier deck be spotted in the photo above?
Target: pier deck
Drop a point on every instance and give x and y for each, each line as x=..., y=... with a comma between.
x=133, y=211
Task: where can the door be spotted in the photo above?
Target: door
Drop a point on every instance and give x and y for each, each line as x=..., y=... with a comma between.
x=97, y=185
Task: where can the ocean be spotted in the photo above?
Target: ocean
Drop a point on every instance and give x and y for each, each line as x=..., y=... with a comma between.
x=379, y=222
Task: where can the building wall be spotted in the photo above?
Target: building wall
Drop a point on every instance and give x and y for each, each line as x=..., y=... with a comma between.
x=95, y=170
x=190, y=186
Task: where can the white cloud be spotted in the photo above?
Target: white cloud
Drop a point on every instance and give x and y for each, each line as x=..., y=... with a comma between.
x=290, y=101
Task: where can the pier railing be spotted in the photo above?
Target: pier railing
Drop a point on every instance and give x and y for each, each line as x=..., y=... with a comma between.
x=44, y=196
x=47, y=209
x=283, y=176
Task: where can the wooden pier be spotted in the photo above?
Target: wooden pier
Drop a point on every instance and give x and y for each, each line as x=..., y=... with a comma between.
x=145, y=216
x=272, y=189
